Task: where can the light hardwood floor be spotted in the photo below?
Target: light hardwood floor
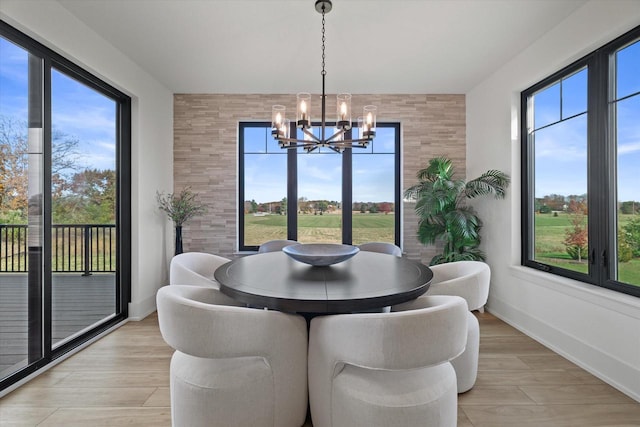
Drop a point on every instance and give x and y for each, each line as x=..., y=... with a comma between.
x=123, y=380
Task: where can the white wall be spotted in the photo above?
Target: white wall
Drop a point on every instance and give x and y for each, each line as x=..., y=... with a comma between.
x=152, y=132
x=594, y=327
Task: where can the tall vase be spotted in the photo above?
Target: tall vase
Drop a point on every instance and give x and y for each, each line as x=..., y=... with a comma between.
x=178, y=239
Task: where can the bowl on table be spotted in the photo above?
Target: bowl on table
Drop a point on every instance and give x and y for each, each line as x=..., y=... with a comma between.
x=320, y=254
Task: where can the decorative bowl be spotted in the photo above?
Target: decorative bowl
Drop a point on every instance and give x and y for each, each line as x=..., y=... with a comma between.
x=320, y=254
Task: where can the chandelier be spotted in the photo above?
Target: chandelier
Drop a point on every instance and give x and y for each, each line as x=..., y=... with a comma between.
x=366, y=124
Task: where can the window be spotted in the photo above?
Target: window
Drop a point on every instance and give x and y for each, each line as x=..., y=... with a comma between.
x=349, y=198
x=64, y=205
x=580, y=163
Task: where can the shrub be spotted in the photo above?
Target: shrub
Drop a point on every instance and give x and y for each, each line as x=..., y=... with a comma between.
x=625, y=252
x=631, y=233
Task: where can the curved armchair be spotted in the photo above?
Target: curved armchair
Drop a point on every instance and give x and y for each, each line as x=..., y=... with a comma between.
x=382, y=247
x=233, y=366
x=275, y=245
x=466, y=364
x=468, y=279
x=382, y=369
x=195, y=268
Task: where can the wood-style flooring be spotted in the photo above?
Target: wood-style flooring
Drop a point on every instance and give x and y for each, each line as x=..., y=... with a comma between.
x=123, y=379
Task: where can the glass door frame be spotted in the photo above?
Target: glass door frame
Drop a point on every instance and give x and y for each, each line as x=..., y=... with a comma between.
x=40, y=330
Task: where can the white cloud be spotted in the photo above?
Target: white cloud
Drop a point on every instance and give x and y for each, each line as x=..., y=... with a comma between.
x=628, y=148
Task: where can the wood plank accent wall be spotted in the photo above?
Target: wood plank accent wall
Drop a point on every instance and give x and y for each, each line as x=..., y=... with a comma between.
x=205, y=153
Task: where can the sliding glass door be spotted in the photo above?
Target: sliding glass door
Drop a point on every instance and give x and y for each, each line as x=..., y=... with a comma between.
x=64, y=205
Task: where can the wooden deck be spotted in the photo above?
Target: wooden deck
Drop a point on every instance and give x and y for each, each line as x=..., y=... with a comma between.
x=78, y=302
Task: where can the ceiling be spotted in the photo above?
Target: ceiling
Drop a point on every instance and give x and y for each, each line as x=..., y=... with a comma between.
x=274, y=46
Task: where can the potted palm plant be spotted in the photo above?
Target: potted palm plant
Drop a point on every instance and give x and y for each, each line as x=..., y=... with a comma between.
x=180, y=209
x=443, y=215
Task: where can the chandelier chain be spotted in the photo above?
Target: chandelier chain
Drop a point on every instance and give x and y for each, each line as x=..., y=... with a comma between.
x=324, y=73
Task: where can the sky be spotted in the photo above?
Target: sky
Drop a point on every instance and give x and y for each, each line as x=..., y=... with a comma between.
x=560, y=153
x=561, y=148
x=319, y=173
x=76, y=109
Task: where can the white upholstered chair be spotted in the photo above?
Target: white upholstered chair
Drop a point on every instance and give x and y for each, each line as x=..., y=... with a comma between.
x=387, y=369
x=195, y=268
x=275, y=245
x=468, y=279
x=382, y=247
x=233, y=366
x=466, y=364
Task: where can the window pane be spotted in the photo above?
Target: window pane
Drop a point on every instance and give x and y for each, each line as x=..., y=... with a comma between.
x=628, y=70
x=385, y=140
x=373, y=198
x=84, y=207
x=628, y=158
x=255, y=139
x=560, y=234
x=574, y=94
x=320, y=198
x=546, y=106
x=265, y=191
x=14, y=185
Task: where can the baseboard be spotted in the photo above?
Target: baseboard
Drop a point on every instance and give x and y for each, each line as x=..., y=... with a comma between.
x=141, y=309
x=607, y=367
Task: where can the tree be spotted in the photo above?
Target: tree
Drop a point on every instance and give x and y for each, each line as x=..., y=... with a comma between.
x=544, y=209
x=630, y=208
x=555, y=202
x=322, y=206
x=576, y=239
x=65, y=161
x=90, y=197
x=283, y=206
x=442, y=213
x=385, y=207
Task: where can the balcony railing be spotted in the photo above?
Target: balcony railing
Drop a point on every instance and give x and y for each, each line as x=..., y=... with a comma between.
x=81, y=248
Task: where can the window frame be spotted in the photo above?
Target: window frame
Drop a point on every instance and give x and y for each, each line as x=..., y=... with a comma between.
x=51, y=60
x=601, y=169
x=292, y=184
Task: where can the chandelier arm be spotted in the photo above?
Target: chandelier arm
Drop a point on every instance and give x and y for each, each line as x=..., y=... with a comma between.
x=334, y=136
x=348, y=145
x=311, y=135
x=298, y=144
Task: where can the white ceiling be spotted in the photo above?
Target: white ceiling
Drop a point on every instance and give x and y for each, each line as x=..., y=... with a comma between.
x=274, y=46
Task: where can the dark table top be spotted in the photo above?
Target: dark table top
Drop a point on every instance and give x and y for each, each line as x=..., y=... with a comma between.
x=367, y=281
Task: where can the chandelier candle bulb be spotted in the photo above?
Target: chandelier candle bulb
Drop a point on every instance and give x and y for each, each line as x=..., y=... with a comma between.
x=369, y=123
x=277, y=119
x=304, y=110
x=283, y=131
x=344, y=111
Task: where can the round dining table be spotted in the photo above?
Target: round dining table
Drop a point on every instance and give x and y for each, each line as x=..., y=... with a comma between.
x=368, y=281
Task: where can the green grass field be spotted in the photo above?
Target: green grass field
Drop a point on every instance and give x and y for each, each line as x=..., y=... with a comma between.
x=325, y=228
x=549, y=249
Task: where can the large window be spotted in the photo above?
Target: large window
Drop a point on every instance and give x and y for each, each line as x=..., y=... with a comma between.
x=64, y=205
x=581, y=163
x=352, y=198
